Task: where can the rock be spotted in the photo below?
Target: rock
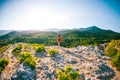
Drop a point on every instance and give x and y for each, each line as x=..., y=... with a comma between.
x=76, y=69
x=82, y=76
x=38, y=79
x=24, y=72
x=105, y=72
x=101, y=47
x=76, y=50
x=57, y=57
x=79, y=49
x=45, y=68
x=91, y=48
x=23, y=75
x=72, y=61
x=40, y=54
x=61, y=66
x=14, y=77
x=106, y=58
x=40, y=68
x=88, y=61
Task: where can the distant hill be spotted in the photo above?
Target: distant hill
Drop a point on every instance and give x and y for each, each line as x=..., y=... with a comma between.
x=95, y=29
x=71, y=38
x=3, y=32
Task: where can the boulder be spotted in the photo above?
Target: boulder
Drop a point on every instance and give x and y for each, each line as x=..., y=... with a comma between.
x=72, y=61
x=105, y=72
x=23, y=75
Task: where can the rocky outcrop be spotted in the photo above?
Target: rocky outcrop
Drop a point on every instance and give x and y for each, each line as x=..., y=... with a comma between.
x=101, y=47
x=104, y=72
x=91, y=64
x=24, y=72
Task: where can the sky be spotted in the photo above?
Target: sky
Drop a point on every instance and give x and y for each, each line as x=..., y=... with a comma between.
x=60, y=14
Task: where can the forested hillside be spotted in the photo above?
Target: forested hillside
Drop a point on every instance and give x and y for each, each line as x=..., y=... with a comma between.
x=71, y=38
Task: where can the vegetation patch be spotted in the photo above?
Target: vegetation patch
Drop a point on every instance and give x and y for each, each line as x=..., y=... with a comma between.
x=113, y=50
x=4, y=48
x=116, y=61
x=17, y=50
x=3, y=63
x=40, y=48
x=68, y=74
x=28, y=59
x=53, y=51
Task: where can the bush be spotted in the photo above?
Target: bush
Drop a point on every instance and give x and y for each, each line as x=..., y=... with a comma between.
x=53, y=51
x=4, y=48
x=24, y=56
x=17, y=50
x=3, y=63
x=28, y=59
x=40, y=48
x=111, y=51
x=31, y=62
x=68, y=74
x=68, y=68
x=116, y=61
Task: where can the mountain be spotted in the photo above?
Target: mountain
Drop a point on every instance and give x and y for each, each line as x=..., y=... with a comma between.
x=3, y=32
x=91, y=28
x=71, y=38
x=95, y=29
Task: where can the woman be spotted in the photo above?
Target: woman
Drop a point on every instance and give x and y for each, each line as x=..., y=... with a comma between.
x=59, y=40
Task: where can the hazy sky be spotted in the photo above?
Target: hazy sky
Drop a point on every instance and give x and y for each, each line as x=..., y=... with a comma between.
x=44, y=14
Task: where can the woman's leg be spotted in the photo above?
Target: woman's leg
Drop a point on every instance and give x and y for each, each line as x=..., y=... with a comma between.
x=58, y=43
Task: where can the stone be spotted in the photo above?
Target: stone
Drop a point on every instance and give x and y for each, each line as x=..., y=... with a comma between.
x=82, y=76
x=23, y=75
x=104, y=72
x=39, y=68
x=106, y=58
x=40, y=54
x=73, y=61
x=76, y=69
x=90, y=63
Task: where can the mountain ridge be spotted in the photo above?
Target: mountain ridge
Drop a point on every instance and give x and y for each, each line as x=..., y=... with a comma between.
x=90, y=28
x=71, y=38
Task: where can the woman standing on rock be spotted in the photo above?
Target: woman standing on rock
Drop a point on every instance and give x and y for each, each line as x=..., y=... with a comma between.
x=59, y=40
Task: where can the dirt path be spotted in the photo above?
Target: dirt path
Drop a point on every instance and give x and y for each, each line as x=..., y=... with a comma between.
x=12, y=61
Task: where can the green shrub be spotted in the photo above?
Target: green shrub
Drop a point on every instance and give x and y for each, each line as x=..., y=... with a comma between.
x=111, y=51
x=4, y=48
x=40, y=48
x=24, y=56
x=17, y=50
x=115, y=43
x=68, y=74
x=0, y=69
x=53, y=51
x=116, y=61
x=28, y=59
x=31, y=62
x=3, y=63
x=68, y=68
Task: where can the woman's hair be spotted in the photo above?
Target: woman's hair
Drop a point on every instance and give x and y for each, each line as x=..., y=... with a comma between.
x=59, y=35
